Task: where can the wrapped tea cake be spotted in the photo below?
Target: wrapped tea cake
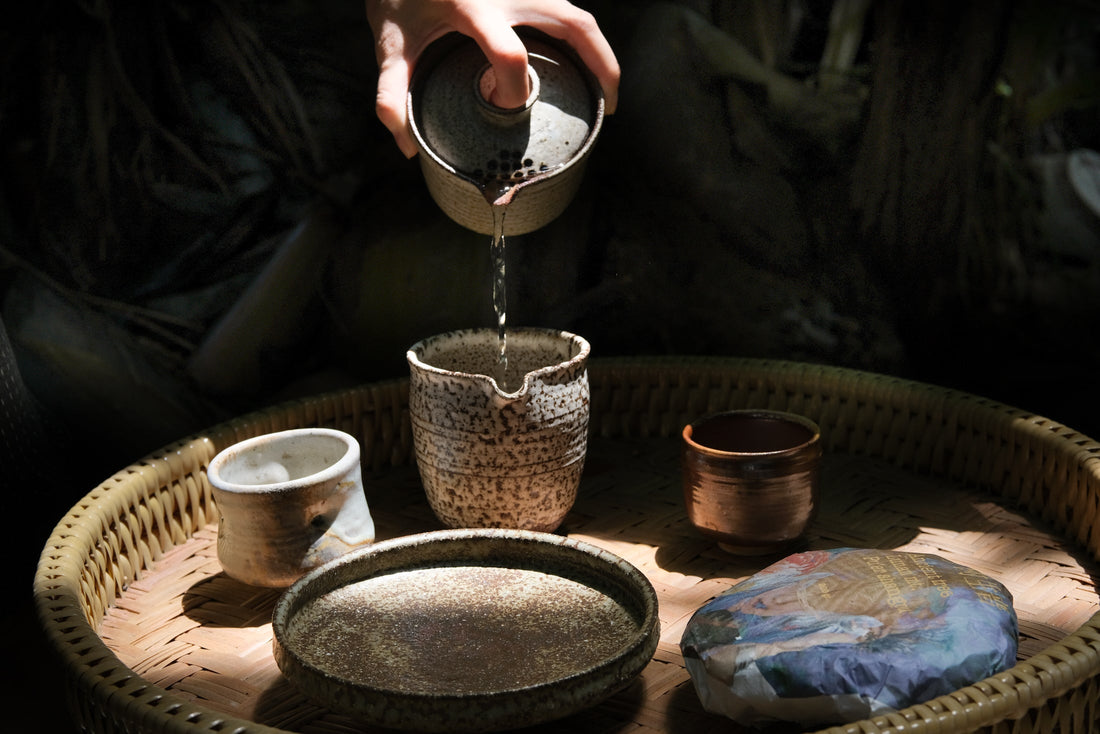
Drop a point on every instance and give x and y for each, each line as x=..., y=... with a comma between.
x=827, y=637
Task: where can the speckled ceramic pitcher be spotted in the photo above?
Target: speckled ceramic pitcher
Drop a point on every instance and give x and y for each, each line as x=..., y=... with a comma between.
x=500, y=457
x=528, y=160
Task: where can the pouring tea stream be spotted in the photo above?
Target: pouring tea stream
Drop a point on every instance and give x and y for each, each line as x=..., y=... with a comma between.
x=501, y=171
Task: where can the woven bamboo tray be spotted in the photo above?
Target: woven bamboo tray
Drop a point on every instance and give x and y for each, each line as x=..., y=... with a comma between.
x=152, y=637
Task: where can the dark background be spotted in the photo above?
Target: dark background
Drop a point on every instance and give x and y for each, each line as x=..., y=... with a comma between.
x=201, y=216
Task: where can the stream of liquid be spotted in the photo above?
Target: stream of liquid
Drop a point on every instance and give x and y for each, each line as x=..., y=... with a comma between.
x=500, y=294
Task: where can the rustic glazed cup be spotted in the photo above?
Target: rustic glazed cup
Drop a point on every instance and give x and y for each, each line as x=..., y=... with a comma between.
x=493, y=455
x=751, y=477
x=288, y=502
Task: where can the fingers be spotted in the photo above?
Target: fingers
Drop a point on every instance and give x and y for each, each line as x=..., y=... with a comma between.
x=508, y=57
x=580, y=30
x=492, y=30
x=393, y=86
x=596, y=53
x=403, y=28
x=389, y=20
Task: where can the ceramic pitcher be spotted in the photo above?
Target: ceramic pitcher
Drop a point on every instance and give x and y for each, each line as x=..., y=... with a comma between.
x=500, y=450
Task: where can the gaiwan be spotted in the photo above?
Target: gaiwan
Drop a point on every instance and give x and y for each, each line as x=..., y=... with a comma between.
x=832, y=636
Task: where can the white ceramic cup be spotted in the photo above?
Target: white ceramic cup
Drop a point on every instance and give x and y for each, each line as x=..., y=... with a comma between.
x=506, y=457
x=288, y=502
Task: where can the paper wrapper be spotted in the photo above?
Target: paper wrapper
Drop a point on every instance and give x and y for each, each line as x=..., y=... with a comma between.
x=827, y=637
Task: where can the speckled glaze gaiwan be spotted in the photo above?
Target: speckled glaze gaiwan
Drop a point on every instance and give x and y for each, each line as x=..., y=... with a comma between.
x=530, y=159
x=498, y=457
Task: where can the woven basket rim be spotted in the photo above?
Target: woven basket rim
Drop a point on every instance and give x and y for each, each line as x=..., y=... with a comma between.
x=64, y=612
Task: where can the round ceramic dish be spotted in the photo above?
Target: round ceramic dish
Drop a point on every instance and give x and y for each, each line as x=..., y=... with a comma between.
x=467, y=630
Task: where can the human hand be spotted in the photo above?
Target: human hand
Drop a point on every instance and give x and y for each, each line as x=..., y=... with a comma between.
x=404, y=28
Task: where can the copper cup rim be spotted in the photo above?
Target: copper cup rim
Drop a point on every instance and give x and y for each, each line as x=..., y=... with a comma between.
x=807, y=423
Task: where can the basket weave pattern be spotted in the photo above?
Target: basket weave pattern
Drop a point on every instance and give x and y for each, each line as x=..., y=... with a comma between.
x=128, y=585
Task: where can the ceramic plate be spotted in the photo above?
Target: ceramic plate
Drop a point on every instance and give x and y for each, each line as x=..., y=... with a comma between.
x=467, y=630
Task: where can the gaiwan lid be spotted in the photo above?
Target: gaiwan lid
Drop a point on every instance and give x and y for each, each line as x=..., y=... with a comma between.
x=499, y=148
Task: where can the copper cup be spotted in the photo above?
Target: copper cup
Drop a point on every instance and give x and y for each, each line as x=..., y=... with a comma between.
x=751, y=478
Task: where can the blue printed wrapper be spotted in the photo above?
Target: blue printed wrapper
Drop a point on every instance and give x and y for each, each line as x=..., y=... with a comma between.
x=827, y=637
